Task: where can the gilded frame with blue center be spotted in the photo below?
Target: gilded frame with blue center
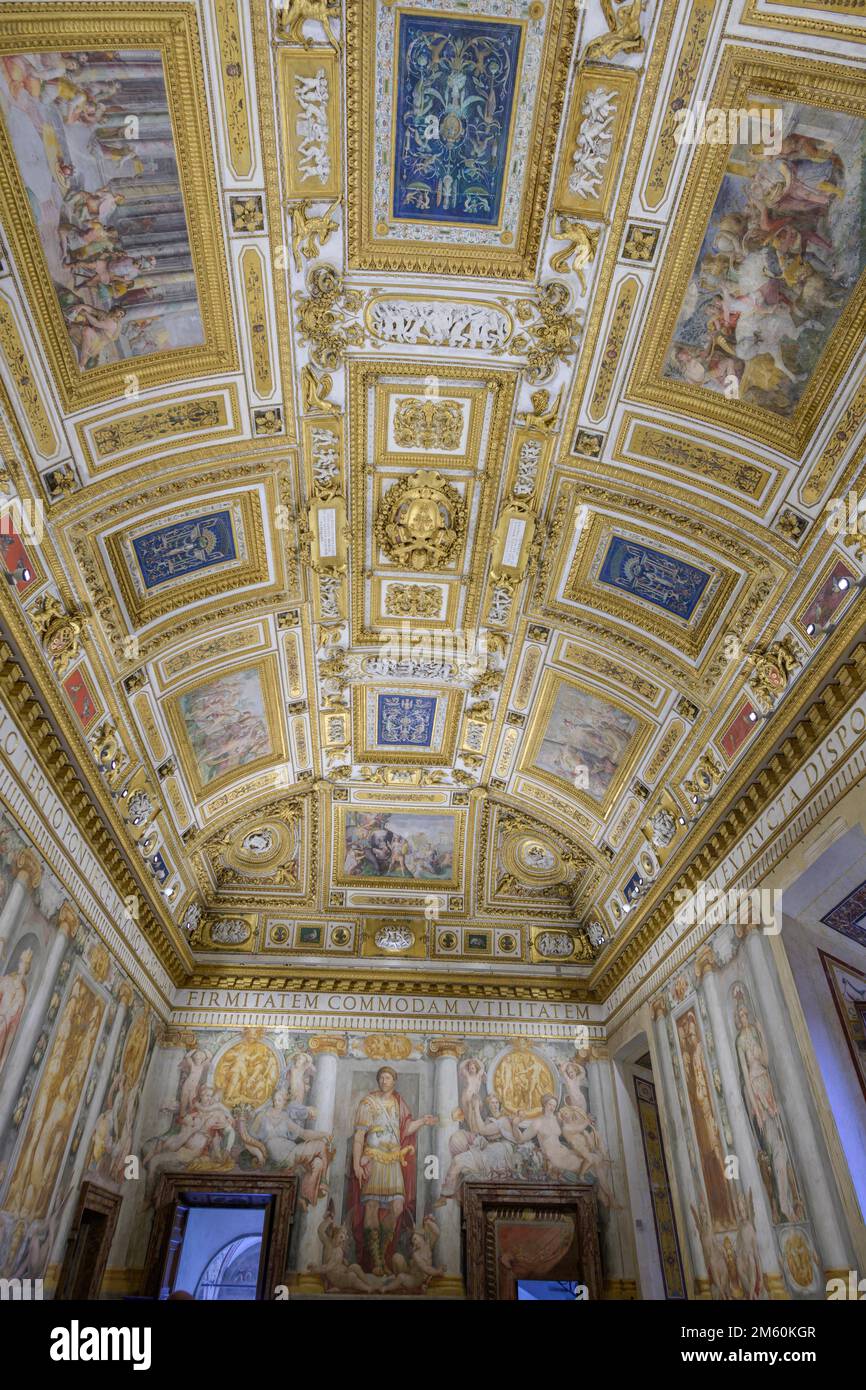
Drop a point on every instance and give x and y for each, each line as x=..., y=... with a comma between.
x=501, y=106
x=405, y=725
x=224, y=541
x=453, y=116
x=667, y=581
x=586, y=585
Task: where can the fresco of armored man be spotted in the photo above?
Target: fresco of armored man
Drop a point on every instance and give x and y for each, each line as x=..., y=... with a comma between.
x=383, y=1180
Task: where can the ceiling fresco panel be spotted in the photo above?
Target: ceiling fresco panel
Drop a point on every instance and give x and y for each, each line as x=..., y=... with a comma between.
x=762, y=299
x=227, y=724
x=582, y=742
x=109, y=196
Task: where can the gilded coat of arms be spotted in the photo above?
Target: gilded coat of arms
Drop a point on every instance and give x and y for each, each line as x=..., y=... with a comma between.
x=421, y=521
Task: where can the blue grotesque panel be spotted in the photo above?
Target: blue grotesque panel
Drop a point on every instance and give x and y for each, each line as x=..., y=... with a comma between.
x=649, y=574
x=185, y=547
x=455, y=95
x=406, y=719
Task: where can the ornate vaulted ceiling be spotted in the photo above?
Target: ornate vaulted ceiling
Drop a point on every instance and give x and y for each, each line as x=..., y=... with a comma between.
x=434, y=447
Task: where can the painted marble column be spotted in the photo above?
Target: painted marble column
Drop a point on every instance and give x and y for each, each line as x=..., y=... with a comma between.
x=446, y=1100
x=813, y=1161
x=20, y=1057
x=619, y=1262
x=326, y=1048
x=27, y=880
x=675, y=1139
x=94, y=1110
x=706, y=965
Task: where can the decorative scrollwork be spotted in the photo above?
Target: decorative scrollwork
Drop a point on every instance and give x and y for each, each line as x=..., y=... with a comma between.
x=59, y=631
x=773, y=667
x=552, y=330
x=428, y=424
x=323, y=316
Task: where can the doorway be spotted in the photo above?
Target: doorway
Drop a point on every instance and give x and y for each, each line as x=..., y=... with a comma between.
x=221, y=1253
x=88, y=1243
x=530, y=1234
x=221, y=1238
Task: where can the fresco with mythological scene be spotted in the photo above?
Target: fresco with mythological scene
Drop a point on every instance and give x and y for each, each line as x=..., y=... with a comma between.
x=782, y=252
x=502, y=1109
x=455, y=98
x=226, y=723
x=585, y=740
x=396, y=844
x=92, y=137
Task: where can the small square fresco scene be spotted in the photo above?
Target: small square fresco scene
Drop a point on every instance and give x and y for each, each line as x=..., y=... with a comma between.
x=585, y=740
x=226, y=723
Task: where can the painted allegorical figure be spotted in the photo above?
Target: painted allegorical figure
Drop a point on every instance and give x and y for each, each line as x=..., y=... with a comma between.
x=709, y=1143
x=56, y=1103
x=289, y=1145
x=200, y=1142
x=13, y=997
x=777, y=1170
x=383, y=1179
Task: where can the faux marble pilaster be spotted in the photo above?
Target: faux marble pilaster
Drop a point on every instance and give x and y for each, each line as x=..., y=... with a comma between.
x=813, y=1163
x=706, y=966
x=326, y=1048
x=31, y=1024
x=446, y=1099
x=27, y=880
x=679, y=1158
x=618, y=1261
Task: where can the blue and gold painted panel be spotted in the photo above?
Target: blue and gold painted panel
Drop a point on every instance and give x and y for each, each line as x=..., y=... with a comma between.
x=849, y=916
x=389, y=723
x=651, y=575
x=406, y=720
x=456, y=83
x=185, y=547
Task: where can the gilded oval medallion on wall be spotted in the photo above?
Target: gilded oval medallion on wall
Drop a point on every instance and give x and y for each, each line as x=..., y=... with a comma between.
x=521, y=1078
x=247, y=1074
